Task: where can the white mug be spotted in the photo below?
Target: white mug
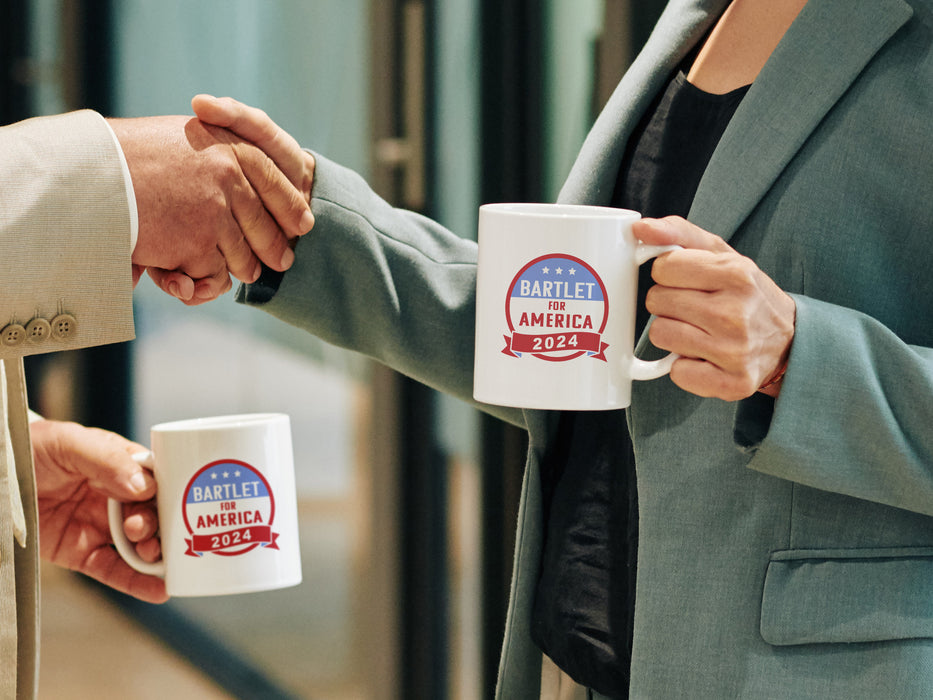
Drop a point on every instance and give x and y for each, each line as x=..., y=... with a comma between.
x=556, y=289
x=228, y=516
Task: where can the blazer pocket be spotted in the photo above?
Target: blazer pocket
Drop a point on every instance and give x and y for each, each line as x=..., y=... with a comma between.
x=825, y=596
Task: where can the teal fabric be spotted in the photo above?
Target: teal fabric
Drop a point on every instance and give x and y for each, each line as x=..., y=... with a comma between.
x=794, y=563
x=824, y=596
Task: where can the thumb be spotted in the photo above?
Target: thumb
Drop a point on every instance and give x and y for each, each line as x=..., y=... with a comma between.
x=105, y=460
x=216, y=111
x=173, y=283
x=118, y=475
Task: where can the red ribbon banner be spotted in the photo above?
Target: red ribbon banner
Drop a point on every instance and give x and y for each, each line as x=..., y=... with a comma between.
x=556, y=342
x=257, y=534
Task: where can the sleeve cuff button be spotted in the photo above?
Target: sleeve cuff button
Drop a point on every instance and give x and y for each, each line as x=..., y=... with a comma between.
x=64, y=326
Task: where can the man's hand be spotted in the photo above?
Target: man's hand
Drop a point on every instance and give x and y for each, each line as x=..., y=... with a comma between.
x=77, y=468
x=732, y=325
x=208, y=202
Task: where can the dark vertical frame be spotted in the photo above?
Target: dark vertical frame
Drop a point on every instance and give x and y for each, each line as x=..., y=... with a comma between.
x=420, y=465
x=95, y=52
x=512, y=153
x=425, y=583
x=15, y=103
x=512, y=161
x=425, y=578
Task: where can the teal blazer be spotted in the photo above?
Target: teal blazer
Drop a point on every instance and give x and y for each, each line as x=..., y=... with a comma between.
x=784, y=552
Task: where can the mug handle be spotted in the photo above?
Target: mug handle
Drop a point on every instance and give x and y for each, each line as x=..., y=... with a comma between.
x=644, y=369
x=120, y=540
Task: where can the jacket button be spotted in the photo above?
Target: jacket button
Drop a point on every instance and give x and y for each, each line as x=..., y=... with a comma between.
x=64, y=326
x=38, y=330
x=12, y=335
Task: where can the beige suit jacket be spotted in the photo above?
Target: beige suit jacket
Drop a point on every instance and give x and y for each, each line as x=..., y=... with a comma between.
x=65, y=283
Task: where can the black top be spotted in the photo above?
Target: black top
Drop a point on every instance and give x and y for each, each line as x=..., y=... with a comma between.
x=585, y=599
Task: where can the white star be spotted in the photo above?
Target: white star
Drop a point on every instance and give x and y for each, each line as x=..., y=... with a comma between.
x=226, y=475
x=560, y=271
x=545, y=270
x=573, y=271
x=214, y=475
x=236, y=473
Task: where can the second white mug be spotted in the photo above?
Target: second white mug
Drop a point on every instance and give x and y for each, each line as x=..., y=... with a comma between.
x=228, y=517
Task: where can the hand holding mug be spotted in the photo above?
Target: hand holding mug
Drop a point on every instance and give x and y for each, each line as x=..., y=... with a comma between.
x=77, y=469
x=227, y=508
x=731, y=324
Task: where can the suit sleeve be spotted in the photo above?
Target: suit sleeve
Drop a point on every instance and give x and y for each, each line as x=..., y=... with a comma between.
x=385, y=282
x=64, y=234
x=854, y=413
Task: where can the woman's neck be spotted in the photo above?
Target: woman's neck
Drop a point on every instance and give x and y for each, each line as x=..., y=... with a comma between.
x=741, y=43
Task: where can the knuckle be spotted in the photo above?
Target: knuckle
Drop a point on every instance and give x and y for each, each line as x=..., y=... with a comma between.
x=742, y=271
x=251, y=219
x=651, y=300
x=238, y=256
x=656, y=332
x=269, y=173
x=659, y=269
x=224, y=163
x=734, y=388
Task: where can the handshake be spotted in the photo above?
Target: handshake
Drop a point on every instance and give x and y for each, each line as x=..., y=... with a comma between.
x=216, y=196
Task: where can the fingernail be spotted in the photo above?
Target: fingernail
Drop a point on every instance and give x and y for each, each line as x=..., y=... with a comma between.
x=307, y=221
x=139, y=482
x=288, y=257
x=174, y=290
x=186, y=289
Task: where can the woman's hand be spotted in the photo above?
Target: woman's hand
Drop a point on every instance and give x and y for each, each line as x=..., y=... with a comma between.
x=731, y=324
x=252, y=124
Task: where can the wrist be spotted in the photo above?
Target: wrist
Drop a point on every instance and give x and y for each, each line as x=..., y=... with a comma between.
x=772, y=385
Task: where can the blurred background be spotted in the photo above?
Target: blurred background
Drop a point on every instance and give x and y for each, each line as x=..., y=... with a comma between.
x=407, y=499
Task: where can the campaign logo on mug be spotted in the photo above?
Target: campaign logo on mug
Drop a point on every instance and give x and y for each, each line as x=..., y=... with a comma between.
x=228, y=518
x=229, y=509
x=555, y=307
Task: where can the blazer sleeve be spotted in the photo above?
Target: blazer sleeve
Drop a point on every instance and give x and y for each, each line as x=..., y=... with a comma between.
x=855, y=411
x=66, y=278
x=846, y=228
x=385, y=282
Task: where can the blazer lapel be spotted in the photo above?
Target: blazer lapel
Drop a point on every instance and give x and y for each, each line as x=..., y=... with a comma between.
x=682, y=24
x=820, y=55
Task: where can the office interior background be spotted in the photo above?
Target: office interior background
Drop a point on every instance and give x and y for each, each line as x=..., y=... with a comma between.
x=407, y=498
